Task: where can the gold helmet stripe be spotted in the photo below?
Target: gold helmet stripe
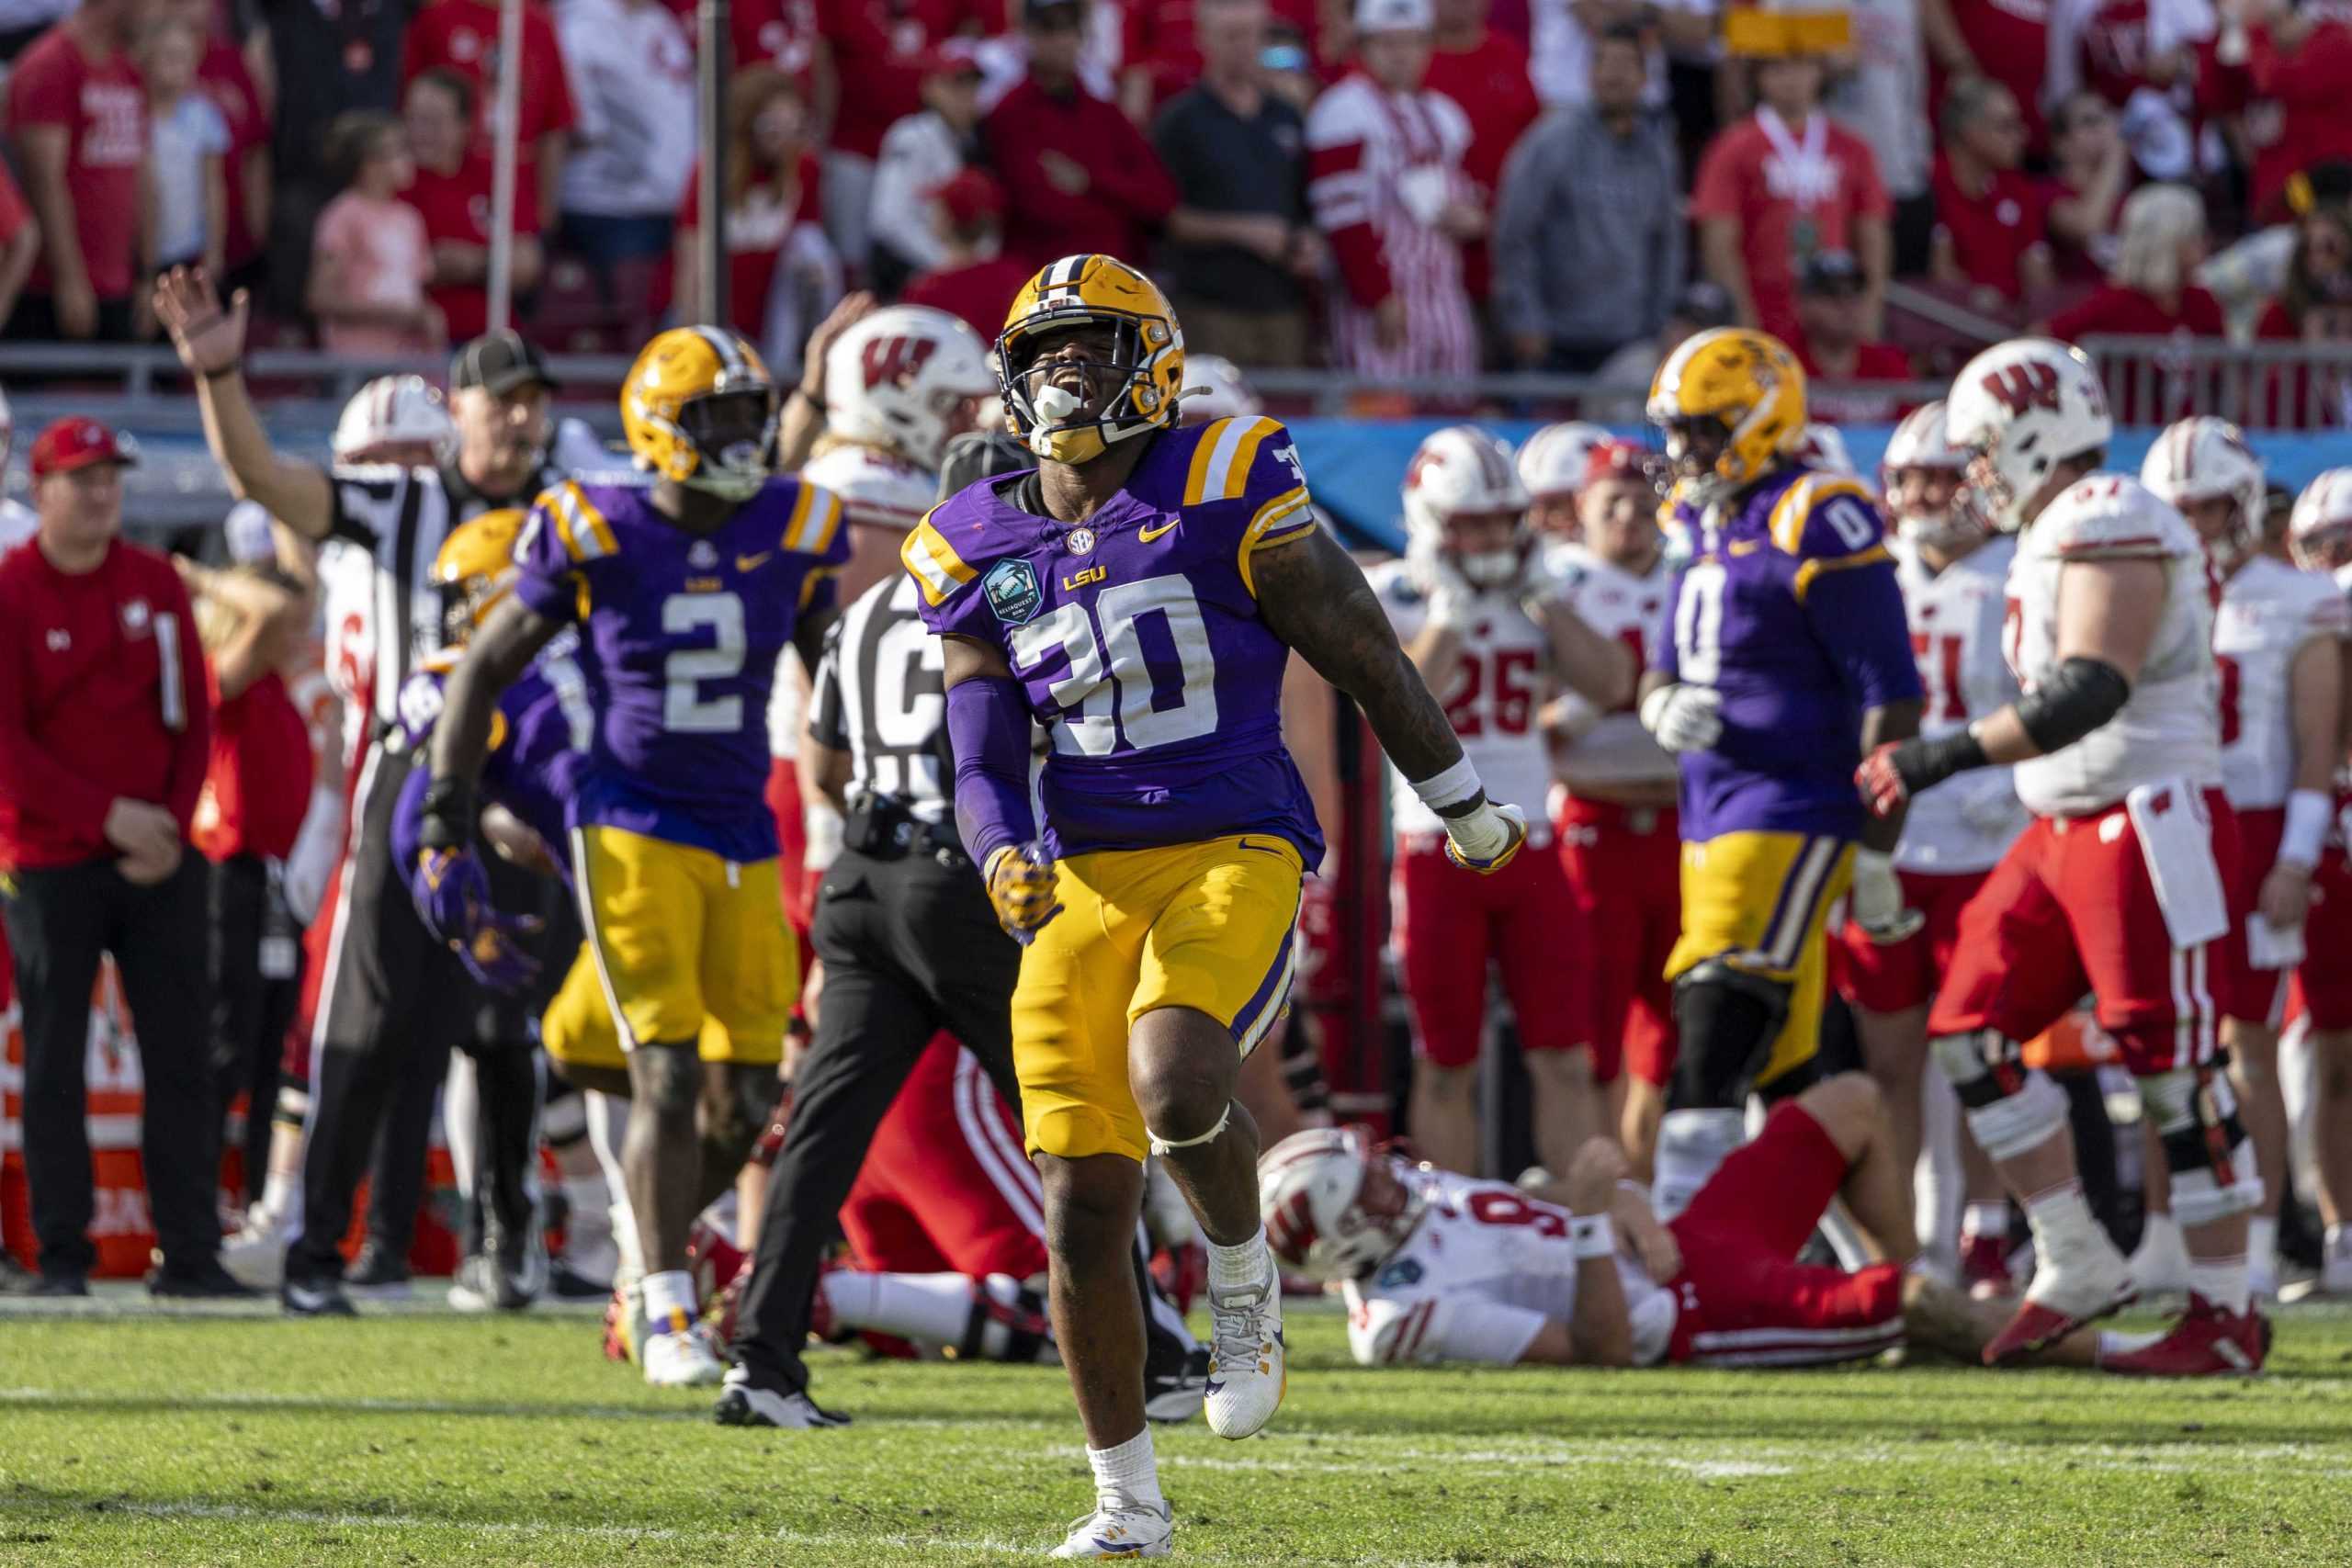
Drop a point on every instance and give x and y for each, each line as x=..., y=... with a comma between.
x=722, y=344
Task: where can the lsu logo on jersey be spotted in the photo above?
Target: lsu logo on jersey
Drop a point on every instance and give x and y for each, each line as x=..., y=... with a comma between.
x=1012, y=591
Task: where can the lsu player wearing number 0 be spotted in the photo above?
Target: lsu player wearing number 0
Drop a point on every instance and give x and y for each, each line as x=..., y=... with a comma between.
x=685, y=595
x=1789, y=659
x=2278, y=647
x=2118, y=887
x=1481, y=621
x=1140, y=593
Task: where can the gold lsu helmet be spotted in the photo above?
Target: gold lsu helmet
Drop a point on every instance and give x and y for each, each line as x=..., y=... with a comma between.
x=1731, y=401
x=475, y=568
x=1145, y=368
x=700, y=409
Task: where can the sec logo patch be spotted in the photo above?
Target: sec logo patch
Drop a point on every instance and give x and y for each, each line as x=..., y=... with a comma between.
x=1012, y=591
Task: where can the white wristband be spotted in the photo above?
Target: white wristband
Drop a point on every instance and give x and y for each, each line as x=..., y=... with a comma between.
x=1452, y=787
x=2308, y=811
x=1592, y=1235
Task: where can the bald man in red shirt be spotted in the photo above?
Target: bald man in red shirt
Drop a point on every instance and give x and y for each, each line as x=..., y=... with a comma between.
x=104, y=736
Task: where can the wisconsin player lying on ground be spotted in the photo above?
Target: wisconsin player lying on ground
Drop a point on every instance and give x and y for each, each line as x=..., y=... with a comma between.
x=2117, y=887
x=1444, y=1268
x=688, y=593
x=1140, y=593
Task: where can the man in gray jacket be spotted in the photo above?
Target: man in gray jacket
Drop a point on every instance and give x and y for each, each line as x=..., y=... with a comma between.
x=1589, y=234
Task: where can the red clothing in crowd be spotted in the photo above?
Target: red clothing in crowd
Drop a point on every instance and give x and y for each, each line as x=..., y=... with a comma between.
x=462, y=35
x=86, y=701
x=878, y=47
x=1736, y=179
x=2086, y=263
x=2166, y=394
x=1157, y=36
x=2299, y=117
x=2010, y=40
x=104, y=111
x=456, y=207
x=1873, y=362
x=782, y=33
x=1127, y=194
x=258, y=785
x=1991, y=233
x=222, y=77
x=759, y=226
x=1491, y=82
x=981, y=293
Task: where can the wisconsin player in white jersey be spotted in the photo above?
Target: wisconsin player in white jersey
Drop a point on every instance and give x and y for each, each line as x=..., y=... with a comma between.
x=2279, y=645
x=1552, y=467
x=2116, y=889
x=1953, y=568
x=1439, y=1268
x=1613, y=811
x=1492, y=644
x=2319, y=532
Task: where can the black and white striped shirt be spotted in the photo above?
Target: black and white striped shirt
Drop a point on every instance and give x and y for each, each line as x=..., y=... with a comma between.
x=401, y=517
x=881, y=696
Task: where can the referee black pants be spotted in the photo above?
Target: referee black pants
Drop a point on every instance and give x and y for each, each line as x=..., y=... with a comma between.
x=60, y=921
x=910, y=947
x=255, y=956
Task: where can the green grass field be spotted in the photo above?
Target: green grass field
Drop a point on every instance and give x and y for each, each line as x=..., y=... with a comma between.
x=437, y=1439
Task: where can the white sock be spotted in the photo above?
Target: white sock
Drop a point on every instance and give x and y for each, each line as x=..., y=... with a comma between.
x=2262, y=1243
x=2061, y=1218
x=461, y=1121
x=932, y=1307
x=1986, y=1219
x=607, y=1127
x=2159, y=1233
x=1690, y=1145
x=1244, y=1265
x=2222, y=1281
x=1127, y=1473
x=281, y=1196
x=668, y=1299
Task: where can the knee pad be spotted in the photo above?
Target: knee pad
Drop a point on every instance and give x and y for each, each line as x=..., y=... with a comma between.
x=2211, y=1160
x=1727, y=1019
x=2009, y=1109
x=1163, y=1147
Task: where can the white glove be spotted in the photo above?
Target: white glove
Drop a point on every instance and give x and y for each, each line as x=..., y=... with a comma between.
x=1684, y=717
x=1878, y=899
x=1449, y=595
x=318, y=844
x=1485, y=840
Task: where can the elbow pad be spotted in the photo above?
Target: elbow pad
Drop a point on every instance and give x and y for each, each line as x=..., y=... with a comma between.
x=988, y=729
x=2083, y=695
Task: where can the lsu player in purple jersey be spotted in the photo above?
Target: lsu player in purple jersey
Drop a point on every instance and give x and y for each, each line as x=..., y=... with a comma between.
x=1140, y=593
x=686, y=593
x=1789, y=657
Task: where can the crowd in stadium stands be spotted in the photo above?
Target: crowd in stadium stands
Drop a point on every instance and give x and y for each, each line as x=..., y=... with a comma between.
x=1397, y=186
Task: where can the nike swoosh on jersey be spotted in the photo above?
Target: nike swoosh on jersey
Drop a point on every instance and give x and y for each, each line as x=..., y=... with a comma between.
x=1148, y=534
x=747, y=563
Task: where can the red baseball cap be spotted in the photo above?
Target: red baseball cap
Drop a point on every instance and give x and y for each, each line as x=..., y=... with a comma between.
x=1615, y=460
x=972, y=195
x=75, y=442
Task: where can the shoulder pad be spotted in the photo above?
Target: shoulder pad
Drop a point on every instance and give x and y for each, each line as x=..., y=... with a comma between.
x=2113, y=515
x=936, y=565
x=576, y=520
x=814, y=527
x=1824, y=515
x=2317, y=604
x=875, y=488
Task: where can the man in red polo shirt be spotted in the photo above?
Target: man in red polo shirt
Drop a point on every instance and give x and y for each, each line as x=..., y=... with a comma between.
x=1990, y=231
x=462, y=35
x=1836, y=349
x=79, y=115
x=1078, y=175
x=104, y=738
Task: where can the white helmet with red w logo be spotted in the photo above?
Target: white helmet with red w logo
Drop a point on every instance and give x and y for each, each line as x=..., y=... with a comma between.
x=1462, y=471
x=2023, y=408
x=905, y=378
x=2198, y=459
x=1308, y=1190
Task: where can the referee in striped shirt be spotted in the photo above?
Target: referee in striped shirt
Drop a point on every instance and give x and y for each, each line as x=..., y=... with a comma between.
x=391, y=1001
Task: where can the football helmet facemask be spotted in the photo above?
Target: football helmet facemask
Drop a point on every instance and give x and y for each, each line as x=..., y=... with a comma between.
x=1731, y=402
x=1072, y=409
x=2320, y=531
x=700, y=410
x=1311, y=1196
x=2203, y=459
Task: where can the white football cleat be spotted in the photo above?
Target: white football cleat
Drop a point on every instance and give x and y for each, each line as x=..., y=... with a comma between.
x=680, y=1356
x=1120, y=1530
x=255, y=1256
x=1248, y=1372
x=745, y=1403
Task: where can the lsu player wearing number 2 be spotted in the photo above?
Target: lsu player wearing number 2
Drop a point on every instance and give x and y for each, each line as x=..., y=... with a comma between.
x=1140, y=593
x=686, y=593
x=1789, y=659
x=2118, y=887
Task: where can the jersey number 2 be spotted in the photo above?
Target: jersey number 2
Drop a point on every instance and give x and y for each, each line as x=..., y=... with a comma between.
x=684, y=710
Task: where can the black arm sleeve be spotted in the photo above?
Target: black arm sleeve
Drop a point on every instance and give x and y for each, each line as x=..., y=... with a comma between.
x=2083, y=695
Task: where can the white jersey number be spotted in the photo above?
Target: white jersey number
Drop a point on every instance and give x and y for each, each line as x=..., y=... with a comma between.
x=1159, y=700
x=685, y=710
x=1699, y=624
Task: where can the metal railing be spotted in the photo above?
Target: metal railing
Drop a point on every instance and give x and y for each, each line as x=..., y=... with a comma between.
x=2261, y=386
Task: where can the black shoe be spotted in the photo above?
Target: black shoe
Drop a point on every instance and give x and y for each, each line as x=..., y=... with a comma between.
x=1177, y=1393
x=206, y=1281
x=315, y=1298
x=60, y=1282
x=16, y=1280
x=519, y=1262
x=377, y=1272
x=568, y=1284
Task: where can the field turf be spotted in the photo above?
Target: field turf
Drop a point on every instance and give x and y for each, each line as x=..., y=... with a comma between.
x=429, y=1440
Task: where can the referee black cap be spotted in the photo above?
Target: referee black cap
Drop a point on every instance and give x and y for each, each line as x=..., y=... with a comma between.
x=980, y=455
x=498, y=362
